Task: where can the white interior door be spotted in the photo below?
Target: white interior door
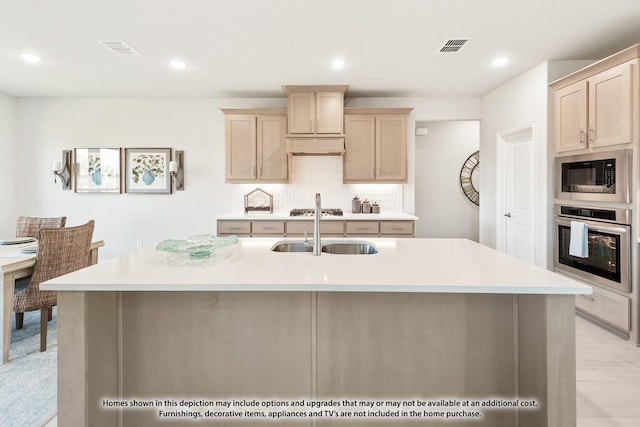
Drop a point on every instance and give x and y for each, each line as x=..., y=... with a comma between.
x=516, y=212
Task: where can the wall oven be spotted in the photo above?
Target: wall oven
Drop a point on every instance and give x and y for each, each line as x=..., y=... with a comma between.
x=601, y=177
x=608, y=259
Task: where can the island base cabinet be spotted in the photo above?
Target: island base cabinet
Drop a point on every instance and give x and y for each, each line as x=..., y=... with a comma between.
x=356, y=346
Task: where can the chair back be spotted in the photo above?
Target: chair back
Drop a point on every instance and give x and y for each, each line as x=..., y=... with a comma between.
x=60, y=251
x=28, y=226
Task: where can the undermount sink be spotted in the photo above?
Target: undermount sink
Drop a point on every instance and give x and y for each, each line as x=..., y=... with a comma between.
x=285, y=246
x=353, y=247
x=350, y=248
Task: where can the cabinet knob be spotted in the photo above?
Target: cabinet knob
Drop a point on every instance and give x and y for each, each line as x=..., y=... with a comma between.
x=508, y=214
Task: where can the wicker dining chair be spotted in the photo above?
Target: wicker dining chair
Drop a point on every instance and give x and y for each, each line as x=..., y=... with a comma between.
x=29, y=226
x=60, y=251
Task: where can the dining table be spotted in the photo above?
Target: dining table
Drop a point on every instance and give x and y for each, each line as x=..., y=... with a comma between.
x=16, y=262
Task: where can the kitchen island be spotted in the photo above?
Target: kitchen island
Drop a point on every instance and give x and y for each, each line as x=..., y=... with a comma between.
x=441, y=322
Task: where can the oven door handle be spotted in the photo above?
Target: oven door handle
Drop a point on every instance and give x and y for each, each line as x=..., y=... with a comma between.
x=619, y=230
x=591, y=226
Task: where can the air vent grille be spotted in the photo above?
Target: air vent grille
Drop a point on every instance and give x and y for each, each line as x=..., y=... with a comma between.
x=119, y=47
x=453, y=45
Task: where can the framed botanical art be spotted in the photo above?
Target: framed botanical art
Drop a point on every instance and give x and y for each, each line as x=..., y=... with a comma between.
x=147, y=170
x=97, y=170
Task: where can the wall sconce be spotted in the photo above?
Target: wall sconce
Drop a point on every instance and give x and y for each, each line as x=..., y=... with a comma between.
x=62, y=169
x=176, y=169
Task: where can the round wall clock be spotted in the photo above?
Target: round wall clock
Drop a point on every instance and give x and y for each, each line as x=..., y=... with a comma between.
x=470, y=177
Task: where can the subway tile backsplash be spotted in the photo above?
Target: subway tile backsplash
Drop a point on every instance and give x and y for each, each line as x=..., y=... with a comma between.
x=320, y=174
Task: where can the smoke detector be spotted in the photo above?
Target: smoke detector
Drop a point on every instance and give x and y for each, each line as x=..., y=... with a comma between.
x=119, y=47
x=453, y=45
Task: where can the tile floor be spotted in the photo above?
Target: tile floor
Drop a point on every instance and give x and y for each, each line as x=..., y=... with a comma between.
x=608, y=379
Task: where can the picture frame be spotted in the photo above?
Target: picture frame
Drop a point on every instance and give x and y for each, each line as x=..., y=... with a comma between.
x=97, y=170
x=147, y=170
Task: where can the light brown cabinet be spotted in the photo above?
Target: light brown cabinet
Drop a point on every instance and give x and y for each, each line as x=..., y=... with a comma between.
x=328, y=228
x=247, y=228
x=298, y=228
x=315, y=110
x=397, y=228
x=596, y=111
x=255, y=145
x=608, y=306
x=375, y=145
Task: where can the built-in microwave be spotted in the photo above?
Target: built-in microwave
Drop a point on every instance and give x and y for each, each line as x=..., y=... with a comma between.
x=600, y=177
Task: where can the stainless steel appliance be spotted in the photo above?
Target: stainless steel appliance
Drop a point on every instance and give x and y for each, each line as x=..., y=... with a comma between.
x=602, y=176
x=609, y=245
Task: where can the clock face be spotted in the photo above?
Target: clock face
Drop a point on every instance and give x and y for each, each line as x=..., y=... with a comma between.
x=470, y=178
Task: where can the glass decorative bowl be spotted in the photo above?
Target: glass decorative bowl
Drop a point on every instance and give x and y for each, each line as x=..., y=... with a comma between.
x=200, y=246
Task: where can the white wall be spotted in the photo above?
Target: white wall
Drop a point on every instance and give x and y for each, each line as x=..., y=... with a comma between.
x=10, y=172
x=424, y=109
x=441, y=205
x=45, y=126
x=523, y=100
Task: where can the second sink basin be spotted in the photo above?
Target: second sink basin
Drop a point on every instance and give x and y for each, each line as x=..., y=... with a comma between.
x=352, y=247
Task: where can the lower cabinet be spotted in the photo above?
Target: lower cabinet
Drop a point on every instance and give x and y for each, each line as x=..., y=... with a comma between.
x=363, y=228
x=608, y=306
x=397, y=228
x=239, y=228
x=328, y=228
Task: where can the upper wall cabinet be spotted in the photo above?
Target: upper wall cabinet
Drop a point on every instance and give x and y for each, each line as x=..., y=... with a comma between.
x=593, y=110
x=255, y=145
x=315, y=110
x=375, y=145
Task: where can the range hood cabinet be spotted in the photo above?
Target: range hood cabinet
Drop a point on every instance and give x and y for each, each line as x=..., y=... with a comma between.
x=315, y=146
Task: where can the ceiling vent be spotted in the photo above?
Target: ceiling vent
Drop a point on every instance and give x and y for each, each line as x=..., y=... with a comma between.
x=119, y=47
x=453, y=45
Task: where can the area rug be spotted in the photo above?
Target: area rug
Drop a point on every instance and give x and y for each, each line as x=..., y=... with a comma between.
x=28, y=383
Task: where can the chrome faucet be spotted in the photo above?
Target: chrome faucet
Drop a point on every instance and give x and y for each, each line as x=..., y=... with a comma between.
x=317, y=246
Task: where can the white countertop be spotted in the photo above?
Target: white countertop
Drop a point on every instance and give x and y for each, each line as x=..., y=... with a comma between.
x=401, y=265
x=385, y=216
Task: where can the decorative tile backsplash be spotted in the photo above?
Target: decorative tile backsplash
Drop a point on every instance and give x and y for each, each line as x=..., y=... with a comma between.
x=320, y=174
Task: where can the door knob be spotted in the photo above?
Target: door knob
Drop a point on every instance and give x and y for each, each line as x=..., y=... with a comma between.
x=508, y=214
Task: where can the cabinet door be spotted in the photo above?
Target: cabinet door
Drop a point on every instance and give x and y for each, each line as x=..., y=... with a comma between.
x=610, y=107
x=362, y=228
x=570, y=112
x=273, y=163
x=391, y=148
x=329, y=112
x=239, y=228
x=359, y=158
x=266, y=228
x=397, y=228
x=301, y=109
x=240, y=147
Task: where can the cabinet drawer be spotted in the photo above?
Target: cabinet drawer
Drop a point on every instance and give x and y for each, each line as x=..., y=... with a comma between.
x=267, y=227
x=297, y=228
x=234, y=227
x=396, y=227
x=608, y=306
x=363, y=227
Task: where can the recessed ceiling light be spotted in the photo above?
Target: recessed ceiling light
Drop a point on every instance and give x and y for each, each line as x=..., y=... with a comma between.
x=500, y=62
x=338, y=64
x=31, y=58
x=178, y=64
